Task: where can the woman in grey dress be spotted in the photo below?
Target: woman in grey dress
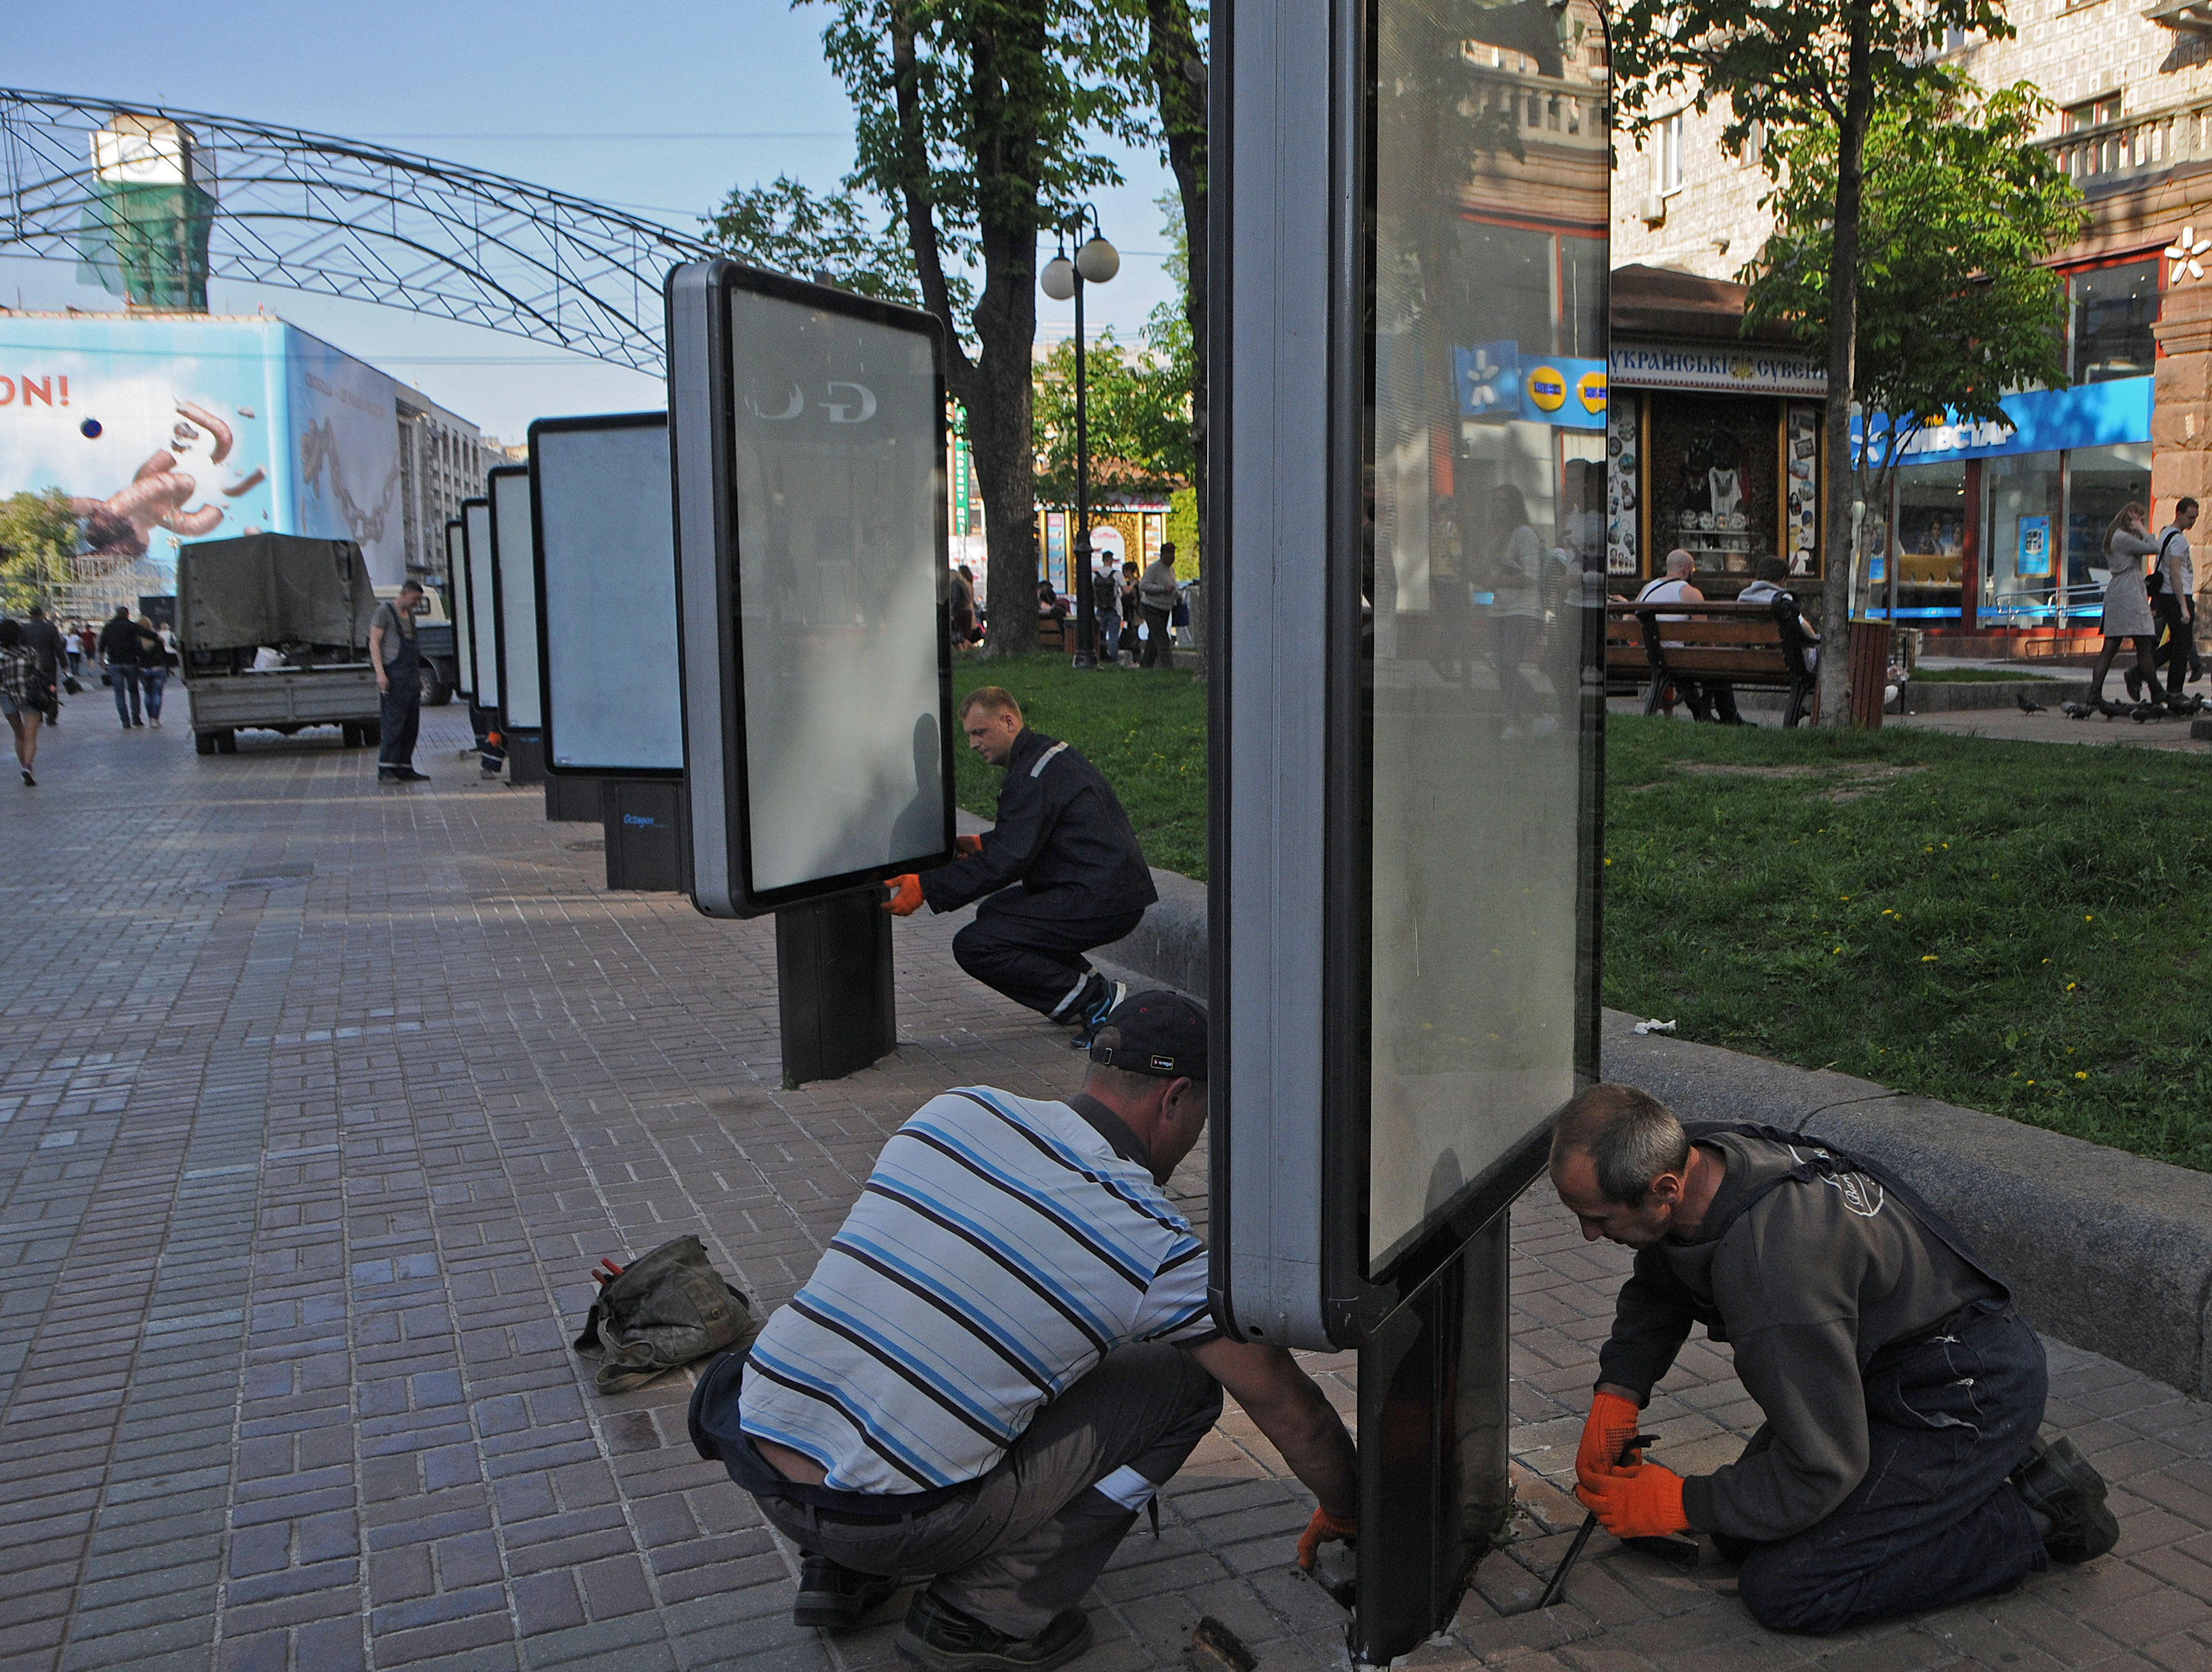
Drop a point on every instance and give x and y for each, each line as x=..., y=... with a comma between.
x=2127, y=607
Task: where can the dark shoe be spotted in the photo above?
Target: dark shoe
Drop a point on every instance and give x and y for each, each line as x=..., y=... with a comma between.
x=834, y=1598
x=2058, y=1483
x=939, y=1636
x=409, y=775
x=387, y=775
x=27, y=779
x=1094, y=1007
x=2135, y=684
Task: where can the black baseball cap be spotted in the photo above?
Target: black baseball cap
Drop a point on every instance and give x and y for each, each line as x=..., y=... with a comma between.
x=1157, y=1033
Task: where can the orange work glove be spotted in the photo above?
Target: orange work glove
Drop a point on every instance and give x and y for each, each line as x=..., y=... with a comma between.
x=1610, y=1425
x=905, y=897
x=962, y=846
x=1643, y=1502
x=1320, y=1530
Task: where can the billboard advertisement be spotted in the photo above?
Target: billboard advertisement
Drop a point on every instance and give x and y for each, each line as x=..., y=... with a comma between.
x=164, y=430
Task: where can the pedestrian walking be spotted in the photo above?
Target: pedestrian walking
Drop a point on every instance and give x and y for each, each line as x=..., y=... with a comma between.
x=24, y=695
x=73, y=643
x=1517, y=608
x=2174, y=599
x=153, y=668
x=1106, y=613
x=2127, y=610
x=46, y=645
x=398, y=664
x=119, y=649
x=1155, y=596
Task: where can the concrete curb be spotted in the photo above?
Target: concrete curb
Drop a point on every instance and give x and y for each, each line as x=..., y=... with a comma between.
x=1943, y=697
x=2105, y=1250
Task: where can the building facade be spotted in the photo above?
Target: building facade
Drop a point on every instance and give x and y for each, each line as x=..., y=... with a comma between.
x=442, y=461
x=1999, y=530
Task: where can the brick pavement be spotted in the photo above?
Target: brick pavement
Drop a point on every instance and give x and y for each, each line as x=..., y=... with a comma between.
x=317, y=1103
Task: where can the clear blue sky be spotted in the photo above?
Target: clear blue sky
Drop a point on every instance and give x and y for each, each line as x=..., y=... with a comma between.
x=461, y=80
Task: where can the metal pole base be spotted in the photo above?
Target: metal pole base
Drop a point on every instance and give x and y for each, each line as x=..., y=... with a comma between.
x=1433, y=1416
x=525, y=758
x=833, y=986
x=645, y=831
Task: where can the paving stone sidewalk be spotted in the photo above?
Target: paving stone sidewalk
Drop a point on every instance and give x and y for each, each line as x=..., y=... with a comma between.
x=317, y=1101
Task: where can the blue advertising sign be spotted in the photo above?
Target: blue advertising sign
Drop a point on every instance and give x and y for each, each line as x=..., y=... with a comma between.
x=1489, y=376
x=2034, y=557
x=2038, y=421
x=1499, y=383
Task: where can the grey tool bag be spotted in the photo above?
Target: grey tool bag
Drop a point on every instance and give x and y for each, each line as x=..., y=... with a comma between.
x=662, y=1313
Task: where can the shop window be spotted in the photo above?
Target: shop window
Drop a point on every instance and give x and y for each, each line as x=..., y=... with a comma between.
x=2114, y=310
x=2101, y=482
x=1930, y=542
x=1513, y=268
x=2022, y=568
x=1714, y=482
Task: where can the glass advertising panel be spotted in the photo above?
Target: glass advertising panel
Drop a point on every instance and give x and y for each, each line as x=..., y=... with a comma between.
x=606, y=580
x=457, y=606
x=837, y=470
x=516, y=596
x=484, y=630
x=1486, y=540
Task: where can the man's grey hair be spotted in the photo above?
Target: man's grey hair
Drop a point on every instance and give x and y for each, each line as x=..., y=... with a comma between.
x=1680, y=563
x=1630, y=1137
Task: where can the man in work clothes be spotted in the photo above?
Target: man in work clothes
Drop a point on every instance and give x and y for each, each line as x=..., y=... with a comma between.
x=1898, y=1467
x=1005, y=1353
x=1062, y=837
x=399, y=667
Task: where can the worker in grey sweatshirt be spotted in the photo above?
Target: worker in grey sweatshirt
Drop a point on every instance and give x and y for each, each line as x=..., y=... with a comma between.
x=1899, y=1465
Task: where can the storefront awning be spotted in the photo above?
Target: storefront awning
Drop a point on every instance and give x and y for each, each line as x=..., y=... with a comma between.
x=2043, y=420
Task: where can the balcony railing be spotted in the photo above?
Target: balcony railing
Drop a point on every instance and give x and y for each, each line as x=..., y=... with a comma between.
x=2146, y=143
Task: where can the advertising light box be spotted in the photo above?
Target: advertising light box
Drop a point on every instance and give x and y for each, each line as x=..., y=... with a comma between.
x=808, y=434
x=515, y=597
x=457, y=606
x=484, y=629
x=605, y=539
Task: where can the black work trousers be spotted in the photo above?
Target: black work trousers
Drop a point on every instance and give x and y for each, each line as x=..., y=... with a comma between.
x=1934, y=1521
x=1159, y=638
x=399, y=712
x=2180, y=651
x=1030, y=945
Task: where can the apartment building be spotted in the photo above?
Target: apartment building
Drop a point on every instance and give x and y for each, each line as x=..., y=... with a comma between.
x=1994, y=528
x=442, y=461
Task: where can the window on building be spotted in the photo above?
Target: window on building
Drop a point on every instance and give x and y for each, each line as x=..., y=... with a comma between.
x=1667, y=156
x=2113, y=309
x=2090, y=113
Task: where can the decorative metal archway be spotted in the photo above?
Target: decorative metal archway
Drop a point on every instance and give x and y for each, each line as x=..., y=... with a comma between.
x=317, y=213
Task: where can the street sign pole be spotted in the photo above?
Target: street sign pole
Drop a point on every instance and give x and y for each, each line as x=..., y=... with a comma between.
x=1406, y=591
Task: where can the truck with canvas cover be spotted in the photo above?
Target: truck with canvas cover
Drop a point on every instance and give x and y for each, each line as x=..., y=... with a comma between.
x=272, y=633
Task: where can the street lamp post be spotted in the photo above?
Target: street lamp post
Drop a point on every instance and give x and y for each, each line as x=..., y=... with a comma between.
x=1095, y=263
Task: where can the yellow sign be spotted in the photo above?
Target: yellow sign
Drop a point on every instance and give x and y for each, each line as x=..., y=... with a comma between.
x=1589, y=389
x=1547, y=389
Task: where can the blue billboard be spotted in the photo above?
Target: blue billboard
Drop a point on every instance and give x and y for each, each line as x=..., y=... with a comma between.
x=1499, y=384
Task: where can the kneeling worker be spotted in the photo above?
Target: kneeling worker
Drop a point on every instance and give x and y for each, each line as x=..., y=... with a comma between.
x=1005, y=1353
x=1899, y=1466
x=1062, y=836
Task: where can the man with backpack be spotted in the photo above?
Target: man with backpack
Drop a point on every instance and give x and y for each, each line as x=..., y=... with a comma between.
x=1899, y=1466
x=2174, y=600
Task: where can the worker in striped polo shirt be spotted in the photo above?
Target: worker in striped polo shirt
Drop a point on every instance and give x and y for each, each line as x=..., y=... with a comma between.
x=1002, y=1356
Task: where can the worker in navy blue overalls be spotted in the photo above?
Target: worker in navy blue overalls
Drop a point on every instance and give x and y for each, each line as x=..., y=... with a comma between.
x=399, y=664
x=1060, y=872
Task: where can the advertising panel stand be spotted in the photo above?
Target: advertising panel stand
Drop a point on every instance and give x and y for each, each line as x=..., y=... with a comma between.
x=1408, y=254
x=604, y=562
x=807, y=435
x=514, y=610
x=476, y=623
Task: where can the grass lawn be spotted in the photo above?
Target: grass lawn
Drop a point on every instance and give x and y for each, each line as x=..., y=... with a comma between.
x=2021, y=928
x=2017, y=927
x=1144, y=728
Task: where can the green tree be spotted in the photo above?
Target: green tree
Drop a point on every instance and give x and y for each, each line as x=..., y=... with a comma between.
x=1137, y=410
x=974, y=124
x=1177, y=35
x=1953, y=301
x=1783, y=68
x=37, y=547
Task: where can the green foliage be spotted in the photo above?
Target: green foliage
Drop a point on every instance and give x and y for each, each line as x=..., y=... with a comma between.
x=1145, y=729
x=1955, y=304
x=1184, y=530
x=1988, y=923
x=38, y=538
x=1138, y=409
x=788, y=228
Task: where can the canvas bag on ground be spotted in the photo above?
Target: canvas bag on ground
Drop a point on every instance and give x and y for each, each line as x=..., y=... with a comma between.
x=665, y=1310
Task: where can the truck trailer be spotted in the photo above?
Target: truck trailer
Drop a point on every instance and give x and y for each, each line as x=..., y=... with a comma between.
x=273, y=634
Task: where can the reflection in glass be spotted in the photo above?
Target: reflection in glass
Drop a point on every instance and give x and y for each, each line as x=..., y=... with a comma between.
x=838, y=492
x=1485, y=442
x=2022, y=562
x=1931, y=539
x=2114, y=310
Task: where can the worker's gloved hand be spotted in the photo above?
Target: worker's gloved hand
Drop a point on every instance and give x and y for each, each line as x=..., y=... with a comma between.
x=904, y=899
x=1320, y=1530
x=963, y=846
x=1609, y=1426
x=1642, y=1502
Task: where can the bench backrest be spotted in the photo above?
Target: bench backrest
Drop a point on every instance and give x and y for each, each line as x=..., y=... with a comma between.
x=1718, y=640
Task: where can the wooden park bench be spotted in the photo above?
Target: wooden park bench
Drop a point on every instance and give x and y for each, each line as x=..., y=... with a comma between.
x=1750, y=646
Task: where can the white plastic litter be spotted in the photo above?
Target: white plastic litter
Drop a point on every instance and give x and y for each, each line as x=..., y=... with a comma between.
x=1655, y=1025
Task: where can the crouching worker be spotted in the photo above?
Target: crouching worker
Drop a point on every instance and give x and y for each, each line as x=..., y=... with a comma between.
x=1059, y=874
x=1898, y=1467
x=1003, y=1355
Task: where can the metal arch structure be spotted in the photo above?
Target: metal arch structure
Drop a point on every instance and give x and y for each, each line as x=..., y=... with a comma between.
x=313, y=212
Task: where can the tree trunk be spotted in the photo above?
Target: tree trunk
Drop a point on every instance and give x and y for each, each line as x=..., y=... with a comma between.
x=1843, y=368
x=1173, y=53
